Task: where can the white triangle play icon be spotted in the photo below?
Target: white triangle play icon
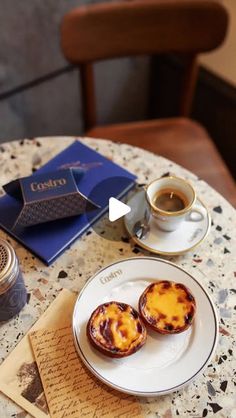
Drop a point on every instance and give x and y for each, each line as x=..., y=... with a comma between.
x=117, y=209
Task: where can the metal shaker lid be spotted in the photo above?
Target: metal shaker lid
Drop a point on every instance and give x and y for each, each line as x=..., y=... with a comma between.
x=8, y=266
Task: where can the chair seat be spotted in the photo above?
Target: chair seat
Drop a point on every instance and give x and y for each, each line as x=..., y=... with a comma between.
x=181, y=140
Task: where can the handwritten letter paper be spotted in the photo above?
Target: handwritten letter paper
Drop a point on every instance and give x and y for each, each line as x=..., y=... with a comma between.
x=70, y=389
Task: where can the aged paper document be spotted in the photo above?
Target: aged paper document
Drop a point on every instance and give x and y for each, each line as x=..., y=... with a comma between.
x=19, y=377
x=71, y=390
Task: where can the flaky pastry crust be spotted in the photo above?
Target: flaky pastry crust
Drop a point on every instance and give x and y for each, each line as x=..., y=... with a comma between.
x=116, y=329
x=167, y=307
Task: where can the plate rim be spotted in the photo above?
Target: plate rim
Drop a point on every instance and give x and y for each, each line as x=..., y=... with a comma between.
x=141, y=393
x=172, y=253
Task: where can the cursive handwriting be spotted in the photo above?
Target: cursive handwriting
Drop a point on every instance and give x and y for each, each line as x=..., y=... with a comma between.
x=70, y=389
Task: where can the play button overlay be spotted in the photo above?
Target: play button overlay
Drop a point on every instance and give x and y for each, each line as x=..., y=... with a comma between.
x=111, y=194
x=117, y=209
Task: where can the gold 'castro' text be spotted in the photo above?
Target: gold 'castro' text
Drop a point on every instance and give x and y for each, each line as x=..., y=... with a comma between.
x=111, y=276
x=50, y=184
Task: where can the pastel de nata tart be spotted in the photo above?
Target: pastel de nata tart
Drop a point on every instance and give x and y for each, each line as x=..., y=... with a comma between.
x=116, y=329
x=167, y=307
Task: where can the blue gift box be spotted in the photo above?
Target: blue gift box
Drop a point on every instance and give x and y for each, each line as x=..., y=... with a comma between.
x=48, y=240
x=49, y=196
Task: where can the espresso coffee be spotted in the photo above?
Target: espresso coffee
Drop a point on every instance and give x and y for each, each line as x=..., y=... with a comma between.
x=170, y=200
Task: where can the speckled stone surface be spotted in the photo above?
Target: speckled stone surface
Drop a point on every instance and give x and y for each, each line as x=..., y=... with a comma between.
x=213, y=263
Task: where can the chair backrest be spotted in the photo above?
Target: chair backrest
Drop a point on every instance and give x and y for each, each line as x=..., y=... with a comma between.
x=141, y=27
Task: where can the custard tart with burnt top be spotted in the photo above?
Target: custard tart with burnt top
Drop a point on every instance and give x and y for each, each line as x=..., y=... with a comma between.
x=167, y=307
x=116, y=329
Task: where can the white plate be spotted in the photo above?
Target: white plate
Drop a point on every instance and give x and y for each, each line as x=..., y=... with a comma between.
x=166, y=362
x=186, y=237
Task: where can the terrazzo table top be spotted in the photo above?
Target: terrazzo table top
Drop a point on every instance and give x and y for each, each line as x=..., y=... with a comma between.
x=213, y=263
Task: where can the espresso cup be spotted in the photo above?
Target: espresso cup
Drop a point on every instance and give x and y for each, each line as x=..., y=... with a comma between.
x=171, y=201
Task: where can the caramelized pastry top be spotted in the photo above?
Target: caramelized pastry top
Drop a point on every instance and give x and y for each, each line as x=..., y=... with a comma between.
x=116, y=329
x=168, y=307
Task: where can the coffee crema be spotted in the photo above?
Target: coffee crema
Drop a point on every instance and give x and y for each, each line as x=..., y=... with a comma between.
x=170, y=200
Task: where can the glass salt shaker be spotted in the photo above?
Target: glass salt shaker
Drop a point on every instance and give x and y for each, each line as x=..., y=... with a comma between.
x=13, y=293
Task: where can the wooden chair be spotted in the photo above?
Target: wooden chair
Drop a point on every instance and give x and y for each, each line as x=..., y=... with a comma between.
x=149, y=27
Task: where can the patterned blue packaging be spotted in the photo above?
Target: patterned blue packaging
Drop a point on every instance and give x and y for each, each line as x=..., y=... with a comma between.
x=49, y=196
x=50, y=239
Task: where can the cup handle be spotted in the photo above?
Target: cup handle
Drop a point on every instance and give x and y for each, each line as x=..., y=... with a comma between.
x=195, y=215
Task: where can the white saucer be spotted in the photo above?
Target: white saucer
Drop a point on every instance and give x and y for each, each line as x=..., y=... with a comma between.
x=166, y=362
x=186, y=237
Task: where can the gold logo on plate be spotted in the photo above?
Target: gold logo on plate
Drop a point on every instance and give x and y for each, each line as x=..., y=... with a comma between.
x=111, y=276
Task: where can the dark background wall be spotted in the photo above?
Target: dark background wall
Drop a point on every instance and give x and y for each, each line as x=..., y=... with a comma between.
x=39, y=93
x=214, y=104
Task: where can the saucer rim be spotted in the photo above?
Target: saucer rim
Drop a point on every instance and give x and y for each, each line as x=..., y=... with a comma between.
x=172, y=253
